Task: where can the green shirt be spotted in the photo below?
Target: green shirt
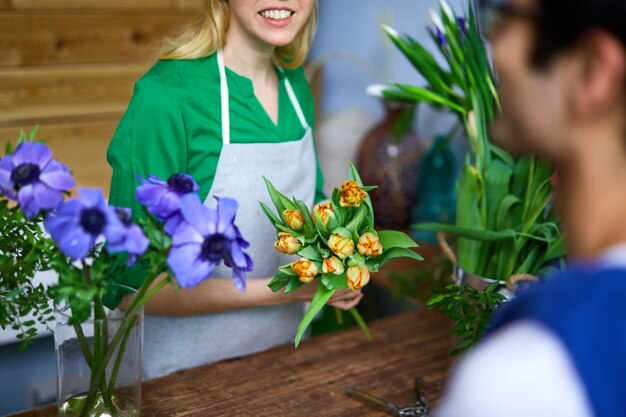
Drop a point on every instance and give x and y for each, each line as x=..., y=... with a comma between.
x=173, y=124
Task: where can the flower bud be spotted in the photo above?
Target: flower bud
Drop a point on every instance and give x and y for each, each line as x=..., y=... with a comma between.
x=325, y=211
x=358, y=277
x=351, y=195
x=332, y=265
x=305, y=269
x=369, y=245
x=287, y=244
x=341, y=243
x=294, y=219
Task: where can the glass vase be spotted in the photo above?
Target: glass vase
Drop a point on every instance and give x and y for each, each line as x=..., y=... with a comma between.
x=99, y=363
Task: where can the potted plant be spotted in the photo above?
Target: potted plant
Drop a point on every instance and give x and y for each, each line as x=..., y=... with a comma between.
x=505, y=226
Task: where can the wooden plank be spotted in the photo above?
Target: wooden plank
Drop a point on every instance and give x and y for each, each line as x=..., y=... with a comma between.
x=45, y=39
x=310, y=380
x=81, y=146
x=52, y=92
x=99, y=4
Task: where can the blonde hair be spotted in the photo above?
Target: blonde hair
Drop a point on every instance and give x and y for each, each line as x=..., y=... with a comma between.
x=208, y=34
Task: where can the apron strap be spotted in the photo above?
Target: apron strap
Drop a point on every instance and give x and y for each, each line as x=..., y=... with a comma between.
x=225, y=106
x=224, y=99
x=294, y=99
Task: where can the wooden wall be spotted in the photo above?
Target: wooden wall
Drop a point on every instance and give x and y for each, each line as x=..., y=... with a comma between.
x=70, y=65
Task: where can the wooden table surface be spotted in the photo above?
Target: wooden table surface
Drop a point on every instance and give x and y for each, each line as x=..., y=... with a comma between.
x=310, y=380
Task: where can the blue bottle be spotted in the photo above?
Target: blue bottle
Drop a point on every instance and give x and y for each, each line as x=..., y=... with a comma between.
x=436, y=195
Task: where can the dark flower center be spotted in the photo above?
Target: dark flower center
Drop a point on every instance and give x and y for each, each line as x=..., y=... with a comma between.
x=92, y=220
x=123, y=216
x=180, y=183
x=215, y=247
x=25, y=174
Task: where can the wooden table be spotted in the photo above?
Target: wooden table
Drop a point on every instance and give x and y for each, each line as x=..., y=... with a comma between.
x=310, y=380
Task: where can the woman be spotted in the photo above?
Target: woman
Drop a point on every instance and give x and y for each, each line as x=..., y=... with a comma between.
x=227, y=104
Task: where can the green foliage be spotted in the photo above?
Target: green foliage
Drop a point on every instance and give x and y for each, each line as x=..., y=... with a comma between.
x=23, y=252
x=469, y=308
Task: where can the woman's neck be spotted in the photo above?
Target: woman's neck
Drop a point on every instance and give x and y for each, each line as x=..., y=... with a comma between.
x=248, y=57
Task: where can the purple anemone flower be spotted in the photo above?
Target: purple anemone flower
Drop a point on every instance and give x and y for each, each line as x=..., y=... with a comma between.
x=204, y=239
x=76, y=224
x=32, y=178
x=133, y=242
x=162, y=199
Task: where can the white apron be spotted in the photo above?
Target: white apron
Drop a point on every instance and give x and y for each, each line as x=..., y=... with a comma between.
x=174, y=343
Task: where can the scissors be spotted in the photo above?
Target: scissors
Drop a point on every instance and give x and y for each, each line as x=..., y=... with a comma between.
x=420, y=409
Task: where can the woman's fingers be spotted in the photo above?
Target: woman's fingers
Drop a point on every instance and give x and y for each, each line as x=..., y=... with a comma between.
x=347, y=303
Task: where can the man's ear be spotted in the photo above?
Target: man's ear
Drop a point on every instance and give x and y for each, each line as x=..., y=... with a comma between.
x=597, y=82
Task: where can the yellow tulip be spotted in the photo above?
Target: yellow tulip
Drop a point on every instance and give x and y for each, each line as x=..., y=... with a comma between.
x=294, y=219
x=287, y=244
x=351, y=195
x=358, y=277
x=332, y=265
x=369, y=245
x=305, y=269
x=325, y=211
x=341, y=243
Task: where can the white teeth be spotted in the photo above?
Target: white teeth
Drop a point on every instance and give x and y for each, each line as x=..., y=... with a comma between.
x=276, y=14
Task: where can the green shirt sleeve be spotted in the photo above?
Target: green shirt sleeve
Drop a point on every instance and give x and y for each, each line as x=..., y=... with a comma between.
x=150, y=140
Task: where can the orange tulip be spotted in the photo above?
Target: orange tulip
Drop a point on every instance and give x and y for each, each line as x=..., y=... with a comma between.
x=351, y=195
x=369, y=245
x=325, y=211
x=287, y=244
x=341, y=243
x=294, y=219
x=305, y=269
x=358, y=277
x=332, y=265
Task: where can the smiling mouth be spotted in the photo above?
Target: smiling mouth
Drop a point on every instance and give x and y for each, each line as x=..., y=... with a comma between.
x=277, y=14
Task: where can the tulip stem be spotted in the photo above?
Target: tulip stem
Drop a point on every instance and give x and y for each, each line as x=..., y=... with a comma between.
x=339, y=316
x=359, y=320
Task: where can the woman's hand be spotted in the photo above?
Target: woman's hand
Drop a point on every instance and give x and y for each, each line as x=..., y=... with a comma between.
x=344, y=299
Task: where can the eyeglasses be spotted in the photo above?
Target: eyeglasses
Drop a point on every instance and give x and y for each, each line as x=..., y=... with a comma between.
x=490, y=13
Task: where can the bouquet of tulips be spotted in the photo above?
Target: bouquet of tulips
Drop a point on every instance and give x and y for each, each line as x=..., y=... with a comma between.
x=337, y=244
x=81, y=239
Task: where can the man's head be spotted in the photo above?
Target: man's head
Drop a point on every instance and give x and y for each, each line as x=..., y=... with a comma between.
x=562, y=68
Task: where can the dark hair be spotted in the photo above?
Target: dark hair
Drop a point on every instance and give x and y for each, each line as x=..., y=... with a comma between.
x=562, y=23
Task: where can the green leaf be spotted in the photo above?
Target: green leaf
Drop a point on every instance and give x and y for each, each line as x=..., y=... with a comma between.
x=504, y=214
x=286, y=269
x=474, y=234
x=281, y=202
x=309, y=252
x=294, y=284
x=309, y=226
x=270, y=215
x=411, y=93
x=321, y=297
x=355, y=222
x=279, y=281
x=335, y=282
x=395, y=239
x=397, y=253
